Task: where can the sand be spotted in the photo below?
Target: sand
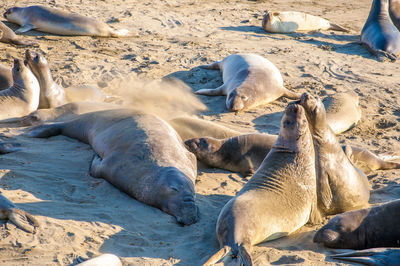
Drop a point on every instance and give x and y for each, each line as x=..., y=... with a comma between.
x=82, y=216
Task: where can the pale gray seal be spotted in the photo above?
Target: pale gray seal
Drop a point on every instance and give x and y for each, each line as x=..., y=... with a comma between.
x=278, y=199
x=6, y=79
x=8, y=36
x=366, y=228
x=379, y=35
x=20, y=218
x=59, y=22
x=138, y=153
x=372, y=256
x=249, y=80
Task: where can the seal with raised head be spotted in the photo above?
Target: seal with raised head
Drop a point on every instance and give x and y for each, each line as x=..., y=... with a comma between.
x=340, y=185
x=342, y=111
x=20, y=218
x=59, y=22
x=379, y=35
x=138, y=153
x=249, y=80
x=372, y=256
x=366, y=228
x=292, y=21
x=22, y=97
x=6, y=79
x=8, y=36
x=278, y=199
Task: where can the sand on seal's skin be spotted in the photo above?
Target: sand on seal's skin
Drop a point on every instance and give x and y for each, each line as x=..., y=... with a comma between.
x=83, y=216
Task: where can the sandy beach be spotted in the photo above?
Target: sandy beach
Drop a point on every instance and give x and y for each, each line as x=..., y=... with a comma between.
x=82, y=216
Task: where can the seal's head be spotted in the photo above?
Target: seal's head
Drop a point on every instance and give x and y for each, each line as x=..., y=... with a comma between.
x=22, y=75
x=237, y=101
x=37, y=62
x=315, y=111
x=203, y=148
x=176, y=196
x=14, y=15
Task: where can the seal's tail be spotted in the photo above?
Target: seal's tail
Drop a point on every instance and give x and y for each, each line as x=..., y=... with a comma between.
x=291, y=95
x=45, y=131
x=337, y=27
x=23, y=220
x=373, y=256
x=242, y=254
x=123, y=33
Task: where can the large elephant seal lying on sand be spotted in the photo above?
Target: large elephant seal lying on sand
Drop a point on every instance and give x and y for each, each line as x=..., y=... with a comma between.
x=278, y=199
x=22, y=97
x=138, y=153
x=60, y=22
x=366, y=228
x=249, y=80
x=19, y=217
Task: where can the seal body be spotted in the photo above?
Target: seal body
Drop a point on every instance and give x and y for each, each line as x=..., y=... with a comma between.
x=59, y=22
x=8, y=36
x=249, y=80
x=394, y=12
x=341, y=186
x=6, y=79
x=104, y=259
x=138, y=153
x=292, y=21
x=22, y=97
x=379, y=35
x=366, y=228
x=342, y=111
x=280, y=196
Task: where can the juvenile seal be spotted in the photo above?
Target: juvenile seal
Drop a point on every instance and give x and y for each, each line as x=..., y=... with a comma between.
x=292, y=21
x=138, y=153
x=340, y=185
x=366, y=228
x=20, y=218
x=22, y=97
x=379, y=35
x=6, y=79
x=342, y=111
x=249, y=80
x=8, y=36
x=51, y=94
x=278, y=199
x=59, y=22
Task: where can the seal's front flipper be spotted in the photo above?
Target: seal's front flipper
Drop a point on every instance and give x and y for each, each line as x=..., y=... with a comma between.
x=25, y=28
x=8, y=147
x=373, y=256
x=383, y=56
x=223, y=252
x=212, y=92
x=96, y=166
x=23, y=220
x=45, y=131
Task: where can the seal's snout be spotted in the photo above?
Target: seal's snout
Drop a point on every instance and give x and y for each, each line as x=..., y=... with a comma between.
x=188, y=199
x=6, y=13
x=192, y=144
x=326, y=236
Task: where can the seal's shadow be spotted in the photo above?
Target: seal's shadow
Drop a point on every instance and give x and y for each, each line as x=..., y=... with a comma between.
x=268, y=123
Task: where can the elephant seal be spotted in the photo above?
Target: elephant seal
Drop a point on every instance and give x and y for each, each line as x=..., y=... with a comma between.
x=379, y=35
x=138, y=153
x=366, y=228
x=278, y=199
x=8, y=36
x=249, y=80
x=51, y=94
x=394, y=12
x=20, y=218
x=59, y=22
x=292, y=21
x=6, y=79
x=340, y=185
x=372, y=256
x=342, y=111
x=104, y=259
x=22, y=97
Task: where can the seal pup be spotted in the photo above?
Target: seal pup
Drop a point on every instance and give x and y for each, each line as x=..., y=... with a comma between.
x=278, y=199
x=59, y=22
x=6, y=79
x=372, y=256
x=342, y=111
x=394, y=12
x=22, y=97
x=292, y=21
x=51, y=94
x=249, y=80
x=366, y=228
x=379, y=35
x=340, y=185
x=104, y=259
x=8, y=36
x=138, y=153
x=20, y=218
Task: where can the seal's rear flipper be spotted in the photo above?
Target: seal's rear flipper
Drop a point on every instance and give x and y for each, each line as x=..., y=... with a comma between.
x=123, y=33
x=373, y=256
x=23, y=220
x=212, y=92
x=8, y=147
x=45, y=131
x=223, y=252
x=337, y=27
x=244, y=256
x=23, y=42
x=25, y=28
x=291, y=95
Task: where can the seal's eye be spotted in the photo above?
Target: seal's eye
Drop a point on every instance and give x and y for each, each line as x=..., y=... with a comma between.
x=244, y=97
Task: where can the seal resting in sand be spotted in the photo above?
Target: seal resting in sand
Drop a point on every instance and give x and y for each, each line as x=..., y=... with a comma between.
x=20, y=218
x=138, y=153
x=340, y=185
x=249, y=80
x=6, y=79
x=292, y=21
x=278, y=199
x=379, y=35
x=372, y=256
x=366, y=228
x=22, y=97
x=8, y=36
x=59, y=22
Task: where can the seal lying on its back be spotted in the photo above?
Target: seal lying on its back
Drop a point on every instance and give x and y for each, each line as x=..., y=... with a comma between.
x=60, y=22
x=278, y=199
x=366, y=228
x=20, y=218
x=292, y=21
x=138, y=153
x=372, y=256
x=379, y=35
x=6, y=79
x=8, y=36
x=249, y=80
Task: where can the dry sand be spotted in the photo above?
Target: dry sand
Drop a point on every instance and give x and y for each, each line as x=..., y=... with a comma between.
x=84, y=216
